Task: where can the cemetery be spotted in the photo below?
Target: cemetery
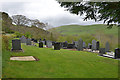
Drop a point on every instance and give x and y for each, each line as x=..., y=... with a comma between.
x=57, y=52
x=59, y=45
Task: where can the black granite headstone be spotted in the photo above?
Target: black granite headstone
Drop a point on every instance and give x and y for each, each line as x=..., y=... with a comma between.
x=40, y=44
x=45, y=41
x=70, y=46
x=35, y=40
x=64, y=44
x=117, y=53
x=16, y=45
x=57, y=46
x=53, y=42
x=97, y=45
x=89, y=46
x=32, y=39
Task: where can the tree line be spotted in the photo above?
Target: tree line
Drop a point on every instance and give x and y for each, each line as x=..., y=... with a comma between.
x=21, y=20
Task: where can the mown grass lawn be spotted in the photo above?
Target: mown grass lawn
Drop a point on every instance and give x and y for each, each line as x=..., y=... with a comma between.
x=58, y=64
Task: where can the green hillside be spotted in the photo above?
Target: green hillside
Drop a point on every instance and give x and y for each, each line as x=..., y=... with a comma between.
x=87, y=29
x=86, y=32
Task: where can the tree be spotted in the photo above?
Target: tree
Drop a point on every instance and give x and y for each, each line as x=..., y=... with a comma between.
x=109, y=12
x=6, y=22
x=20, y=20
x=37, y=23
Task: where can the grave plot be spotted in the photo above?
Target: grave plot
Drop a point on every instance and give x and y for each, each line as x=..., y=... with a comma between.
x=23, y=58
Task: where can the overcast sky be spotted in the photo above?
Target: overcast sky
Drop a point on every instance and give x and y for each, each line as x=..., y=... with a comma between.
x=47, y=11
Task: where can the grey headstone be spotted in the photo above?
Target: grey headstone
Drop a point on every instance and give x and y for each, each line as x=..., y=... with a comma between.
x=23, y=39
x=28, y=42
x=49, y=44
x=107, y=47
x=80, y=45
x=84, y=45
x=76, y=44
x=16, y=44
x=93, y=44
x=101, y=51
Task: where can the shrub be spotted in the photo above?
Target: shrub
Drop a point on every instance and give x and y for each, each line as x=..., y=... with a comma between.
x=18, y=35
x=5, y=42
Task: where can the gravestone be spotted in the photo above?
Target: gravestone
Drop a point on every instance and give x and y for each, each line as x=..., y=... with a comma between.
x=89, y=46
x=80, y=45
x=41, y=44
x=49, y=44
x=23, y=39
x=16, y=45
x=73, y=42
x=35, y=40
x=57, y=46
x=76, y=44
x=97, y=45
x=45, y=41
x=101, y=51
x=53, y=42
x=117, y=53
x=84, y=45
x=93, y=44
x=107, y=47
x=70, y=46
x=28, y=42
x=32, y=39
x=64, y=44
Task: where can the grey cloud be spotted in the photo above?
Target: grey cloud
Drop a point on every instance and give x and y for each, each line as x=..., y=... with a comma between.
x=59, y=18
x=13, y=7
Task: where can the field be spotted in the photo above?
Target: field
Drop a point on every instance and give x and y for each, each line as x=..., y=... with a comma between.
x=58, y=64
x=87, y=29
